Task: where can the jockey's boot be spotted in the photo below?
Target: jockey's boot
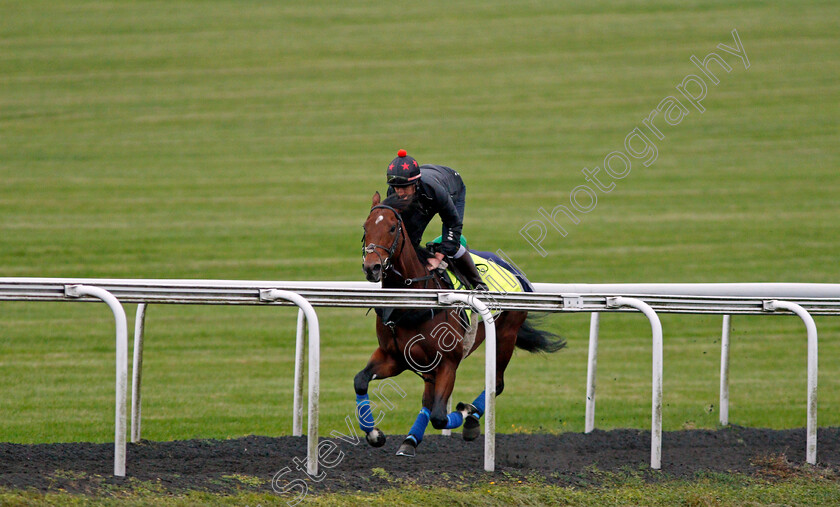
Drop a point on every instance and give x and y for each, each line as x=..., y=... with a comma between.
x=466, y=266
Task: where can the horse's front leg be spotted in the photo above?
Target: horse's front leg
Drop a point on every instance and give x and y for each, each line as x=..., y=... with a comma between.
x=444, y=384
x=435, y=395
x=380, y=366
x=418, y=429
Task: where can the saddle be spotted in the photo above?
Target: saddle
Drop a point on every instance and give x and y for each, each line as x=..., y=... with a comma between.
x=496, y=273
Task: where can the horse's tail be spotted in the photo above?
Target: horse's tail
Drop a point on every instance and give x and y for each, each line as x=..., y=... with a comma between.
x=536, y=340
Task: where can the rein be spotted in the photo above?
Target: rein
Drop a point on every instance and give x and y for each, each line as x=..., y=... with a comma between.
x=387, y=264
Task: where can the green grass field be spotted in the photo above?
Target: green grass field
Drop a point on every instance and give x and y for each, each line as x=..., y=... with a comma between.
x=243, y=140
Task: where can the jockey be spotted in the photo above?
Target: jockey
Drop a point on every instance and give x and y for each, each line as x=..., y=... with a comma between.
x=439, y=190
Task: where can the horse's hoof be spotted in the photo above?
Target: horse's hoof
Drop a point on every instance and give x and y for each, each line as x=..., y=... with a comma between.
x=375, y=438
x=408, y=448
x=466, y=409
x=472, y=429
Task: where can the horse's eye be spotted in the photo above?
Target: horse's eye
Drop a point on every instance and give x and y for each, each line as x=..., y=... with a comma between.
x=393, y=228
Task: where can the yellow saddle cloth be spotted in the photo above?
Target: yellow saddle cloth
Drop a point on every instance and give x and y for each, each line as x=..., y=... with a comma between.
x=497, y=278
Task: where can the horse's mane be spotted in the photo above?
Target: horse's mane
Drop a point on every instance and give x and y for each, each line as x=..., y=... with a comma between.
x=406, y=207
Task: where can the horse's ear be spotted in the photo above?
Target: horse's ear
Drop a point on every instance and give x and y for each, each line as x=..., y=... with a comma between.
x=376, y=199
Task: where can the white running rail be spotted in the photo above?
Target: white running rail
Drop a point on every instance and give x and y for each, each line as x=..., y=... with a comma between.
x=804, y=300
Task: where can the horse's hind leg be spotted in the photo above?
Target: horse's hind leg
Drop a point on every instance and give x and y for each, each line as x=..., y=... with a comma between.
x=507, y=327
x=380, y=366
x=471, y=412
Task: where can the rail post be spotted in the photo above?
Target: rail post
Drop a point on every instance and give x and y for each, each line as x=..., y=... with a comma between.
x=811, y=328
x=489, y=372
x=137, y=371
x=726, y=331
x=592, y=363
x=297, y=406
x=77, y=291
x=656, y=384
x=314, y=369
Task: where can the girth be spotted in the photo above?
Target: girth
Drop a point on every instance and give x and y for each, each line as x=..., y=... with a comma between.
x=406, y=318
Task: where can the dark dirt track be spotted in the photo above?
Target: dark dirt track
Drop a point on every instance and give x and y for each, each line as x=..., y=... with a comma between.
x=566, y=459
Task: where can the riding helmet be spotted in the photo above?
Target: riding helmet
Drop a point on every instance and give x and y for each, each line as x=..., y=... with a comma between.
x=403, y=170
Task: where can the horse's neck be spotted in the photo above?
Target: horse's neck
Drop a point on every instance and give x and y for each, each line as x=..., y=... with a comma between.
x=408, y=264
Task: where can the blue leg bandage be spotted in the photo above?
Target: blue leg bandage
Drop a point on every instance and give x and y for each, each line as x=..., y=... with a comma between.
x=364, y=413
x=419, y=428
x=479, y=404
x=454, y=420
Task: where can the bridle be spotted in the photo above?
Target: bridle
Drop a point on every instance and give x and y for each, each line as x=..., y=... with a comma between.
x=387, y=264
x=371, y=248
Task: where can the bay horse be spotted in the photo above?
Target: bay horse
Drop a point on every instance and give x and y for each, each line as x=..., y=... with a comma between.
x=421, y=341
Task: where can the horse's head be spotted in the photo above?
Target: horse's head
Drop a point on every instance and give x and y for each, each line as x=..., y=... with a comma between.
x=383, y=239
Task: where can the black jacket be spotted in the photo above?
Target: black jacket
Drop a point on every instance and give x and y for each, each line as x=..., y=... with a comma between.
x=437, y=191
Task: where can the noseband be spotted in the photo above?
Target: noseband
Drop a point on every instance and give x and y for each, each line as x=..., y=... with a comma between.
x=371, y=248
